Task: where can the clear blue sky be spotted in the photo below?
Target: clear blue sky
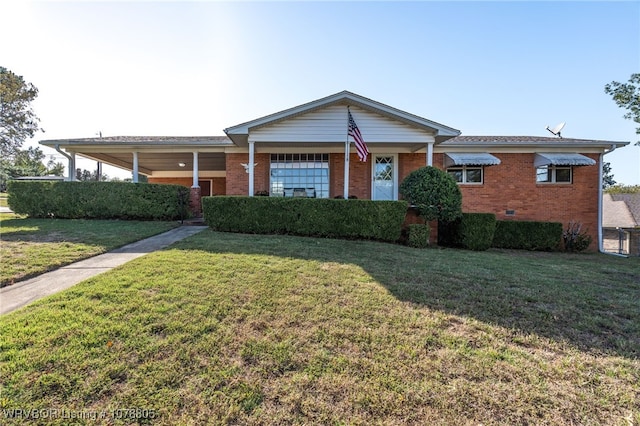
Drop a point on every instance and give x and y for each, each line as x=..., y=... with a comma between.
x=486, y=68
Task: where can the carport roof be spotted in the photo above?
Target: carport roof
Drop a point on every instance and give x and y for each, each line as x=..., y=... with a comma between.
x=143, y=140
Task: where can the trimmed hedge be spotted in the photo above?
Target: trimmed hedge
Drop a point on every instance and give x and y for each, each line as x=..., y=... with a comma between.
x=541, y=236
x=98, y=200
x=473, y=231
x=418, y=235
x=377, y=220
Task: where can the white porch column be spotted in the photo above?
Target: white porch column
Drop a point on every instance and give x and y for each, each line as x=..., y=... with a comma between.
x=195, y=170
x=134, y=172
x=72, y=166
x=430, y=154
x=251, y=163
x=347, y=147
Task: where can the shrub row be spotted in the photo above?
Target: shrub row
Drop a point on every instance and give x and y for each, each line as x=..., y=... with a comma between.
x=479, y=231
x=378, y=220
x=473, y=231
x=98, y=200
x=542, y=236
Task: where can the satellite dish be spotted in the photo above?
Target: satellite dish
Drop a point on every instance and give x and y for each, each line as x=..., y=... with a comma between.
x=556, y=130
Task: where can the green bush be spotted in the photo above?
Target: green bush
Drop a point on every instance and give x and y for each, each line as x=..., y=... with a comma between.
x=378, y=220
x=574, y=239
x=98, y=200
x=434, y=194
x=526, y=235
x=473, y=231
x=418, y=235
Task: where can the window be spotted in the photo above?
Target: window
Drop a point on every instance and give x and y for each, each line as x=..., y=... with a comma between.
x=300, y=175
x=466, y=174
x=553, y=174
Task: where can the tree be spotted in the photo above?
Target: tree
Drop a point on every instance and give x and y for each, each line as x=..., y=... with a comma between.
x=434, y=193
x=17, y=120
x=627, y=95
x=607, y=176
x=28, y=162
x=86, y=175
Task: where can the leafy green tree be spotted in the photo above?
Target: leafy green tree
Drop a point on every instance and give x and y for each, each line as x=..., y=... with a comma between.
x=28, y=162
x=17, y=120
x=55, y=169
x=627, y=95
x=607, y=176
x=434, y=193
x=85, y=175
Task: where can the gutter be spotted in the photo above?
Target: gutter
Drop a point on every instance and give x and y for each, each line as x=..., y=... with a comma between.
x=600, y=236
x=72, y=161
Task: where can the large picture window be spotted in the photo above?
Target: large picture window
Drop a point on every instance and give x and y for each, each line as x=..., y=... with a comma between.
x=300, y=175
x=466, y=174
x=553, y=174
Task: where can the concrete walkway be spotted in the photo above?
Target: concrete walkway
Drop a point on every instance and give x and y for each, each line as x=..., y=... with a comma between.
x=25, y=292
x=5, y=210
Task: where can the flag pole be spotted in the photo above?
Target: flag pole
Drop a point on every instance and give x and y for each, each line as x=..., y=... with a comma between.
x=346, y=160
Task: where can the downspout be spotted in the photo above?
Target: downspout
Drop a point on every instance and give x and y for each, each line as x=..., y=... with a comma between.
x=600, y=241
x=72, y=162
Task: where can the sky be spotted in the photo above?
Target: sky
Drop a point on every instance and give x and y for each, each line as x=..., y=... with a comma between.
x=195, y=68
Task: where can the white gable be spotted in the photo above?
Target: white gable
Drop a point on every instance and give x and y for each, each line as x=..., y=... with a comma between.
x=329, y=125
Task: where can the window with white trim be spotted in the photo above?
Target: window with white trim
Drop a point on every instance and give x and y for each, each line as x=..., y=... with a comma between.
x=466, y=174
x=553, y=174
x=300, y=175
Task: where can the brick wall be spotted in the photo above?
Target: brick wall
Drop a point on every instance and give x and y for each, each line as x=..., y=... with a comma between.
x=218, y=183
x=359, y=176
x=238, y=179
x=512, y=186
x=509, y=186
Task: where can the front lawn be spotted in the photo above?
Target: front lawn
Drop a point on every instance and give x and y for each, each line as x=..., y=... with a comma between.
x=231, y=328
x=33, y=246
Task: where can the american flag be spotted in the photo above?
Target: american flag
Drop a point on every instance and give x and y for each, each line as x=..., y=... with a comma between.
x=354, y=132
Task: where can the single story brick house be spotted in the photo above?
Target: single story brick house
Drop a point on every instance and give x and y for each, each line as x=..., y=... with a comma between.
x=301, y=152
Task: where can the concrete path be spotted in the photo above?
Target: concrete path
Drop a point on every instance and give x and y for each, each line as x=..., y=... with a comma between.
x=25, y=292
x=5, y=210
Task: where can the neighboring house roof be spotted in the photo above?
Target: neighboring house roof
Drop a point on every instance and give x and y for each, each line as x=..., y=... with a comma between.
x=618, y=210
x=633, y=204
x=239, y=133
x=537, y=141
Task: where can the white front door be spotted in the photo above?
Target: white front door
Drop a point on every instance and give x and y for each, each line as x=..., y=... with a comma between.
x=385, y=171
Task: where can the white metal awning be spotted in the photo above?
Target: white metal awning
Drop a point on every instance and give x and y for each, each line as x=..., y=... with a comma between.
x=562, y=159
x=470, y=159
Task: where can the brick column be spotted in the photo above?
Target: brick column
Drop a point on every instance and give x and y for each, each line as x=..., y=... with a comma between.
x=195, y=204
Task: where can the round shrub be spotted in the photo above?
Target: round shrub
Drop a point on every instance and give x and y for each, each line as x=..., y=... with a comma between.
x=434, y=194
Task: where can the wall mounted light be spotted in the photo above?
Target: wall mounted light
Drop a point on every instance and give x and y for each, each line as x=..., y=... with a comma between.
x=181, y=164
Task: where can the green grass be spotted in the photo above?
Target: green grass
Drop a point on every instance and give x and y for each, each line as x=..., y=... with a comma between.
x=3, y=199
x=230, y=328
x=33, y=246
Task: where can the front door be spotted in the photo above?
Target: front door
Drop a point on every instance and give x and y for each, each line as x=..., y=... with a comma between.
x=205, y=188
x=384, y=178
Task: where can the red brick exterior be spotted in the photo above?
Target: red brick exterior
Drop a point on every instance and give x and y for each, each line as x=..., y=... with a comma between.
x=508, y=186
x=238, y=178
x=359, y=176
x=195, y=204
x=218, y=186
x=512, y=186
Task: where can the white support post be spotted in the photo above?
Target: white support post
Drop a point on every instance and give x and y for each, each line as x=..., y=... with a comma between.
x=251, y=164
x=72, y=166
x=347, y=146
x=195, y=170
x=430, y=154
x=134, y=172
